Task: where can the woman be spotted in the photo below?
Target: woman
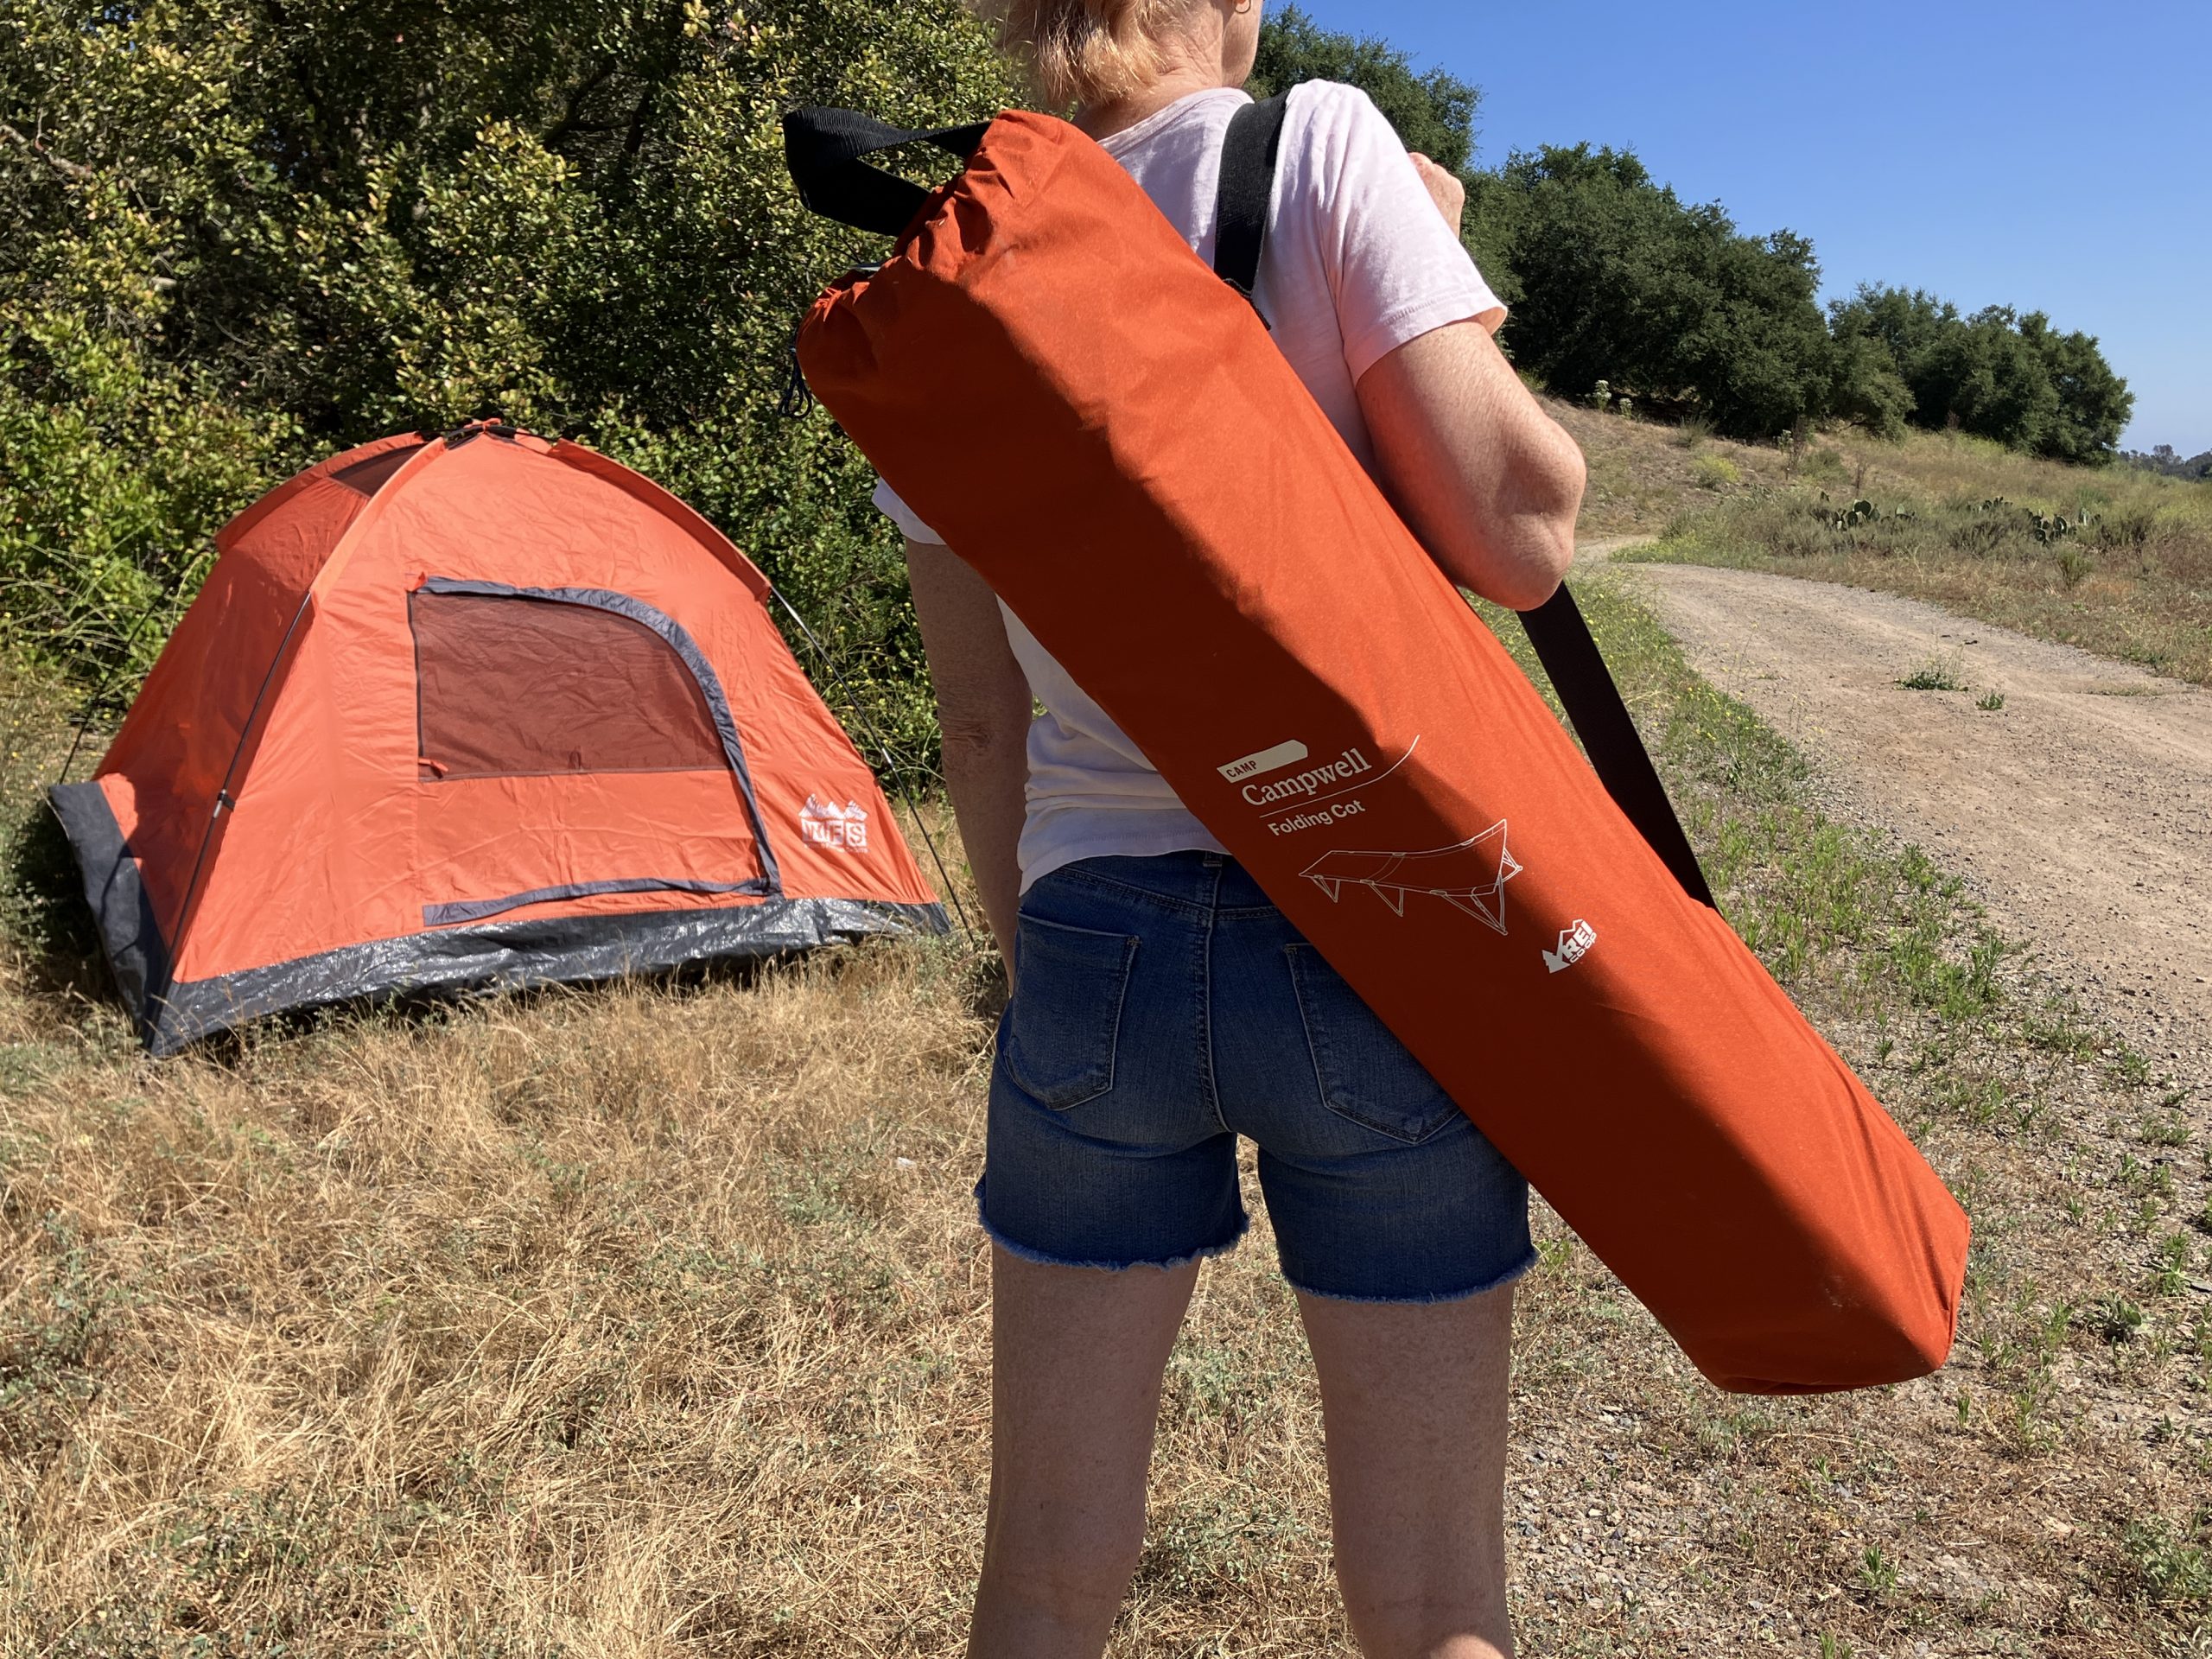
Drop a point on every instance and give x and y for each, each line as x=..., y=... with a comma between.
x=1162, y=1007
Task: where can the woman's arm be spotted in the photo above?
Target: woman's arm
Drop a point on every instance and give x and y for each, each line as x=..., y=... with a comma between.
x=982, y=708
x=1488, y=481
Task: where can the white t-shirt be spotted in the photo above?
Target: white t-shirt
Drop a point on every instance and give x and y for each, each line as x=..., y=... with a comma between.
x=1358, y=262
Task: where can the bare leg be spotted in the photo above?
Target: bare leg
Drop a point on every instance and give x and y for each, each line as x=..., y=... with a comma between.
x=1414, y=1401
x=1077, y=1358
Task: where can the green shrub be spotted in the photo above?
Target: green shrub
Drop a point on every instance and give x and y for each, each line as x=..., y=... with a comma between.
x=1620, y=279
x=242, y=237
x=2126, y=531
x=116, y=470
x=1905, y=354
x=1865, y=388
x=2170, y=1563
x=1934, y=676
x=1715, y=472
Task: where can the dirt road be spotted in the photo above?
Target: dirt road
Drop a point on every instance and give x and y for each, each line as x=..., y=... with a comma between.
x=2081, y=810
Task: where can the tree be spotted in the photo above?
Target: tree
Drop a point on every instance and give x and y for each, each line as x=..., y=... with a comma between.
x=1622, y=282
x=1865, y=388
x=2093, y=402
x=238, y=234
x=1433, y=111
x=2165, y=459
x=1988, y=381
x=1996, y=374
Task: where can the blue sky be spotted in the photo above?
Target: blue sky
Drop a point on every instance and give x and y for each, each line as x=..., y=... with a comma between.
x=2055, y=158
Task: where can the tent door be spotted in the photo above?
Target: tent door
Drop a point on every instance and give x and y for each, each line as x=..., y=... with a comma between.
x=525, y=682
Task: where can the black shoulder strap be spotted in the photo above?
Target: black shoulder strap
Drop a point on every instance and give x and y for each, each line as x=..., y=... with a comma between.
x=1556, y=628
x=1609, y=736
x=1248, y=176
x=823, y=149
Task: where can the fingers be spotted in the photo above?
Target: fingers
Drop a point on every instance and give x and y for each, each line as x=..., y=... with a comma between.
x=1444, y=188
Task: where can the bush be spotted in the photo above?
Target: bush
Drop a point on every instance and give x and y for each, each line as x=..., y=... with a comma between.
x=2127, y=530
x=116, y=469
x=1714, y=472
x=241, y=235
x=1996, y=374
x=1865, y=388
x=1432, y=111
x=244, y=236
x=1620, y=278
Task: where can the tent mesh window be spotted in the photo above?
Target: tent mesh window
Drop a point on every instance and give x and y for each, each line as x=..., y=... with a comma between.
x=516, y=687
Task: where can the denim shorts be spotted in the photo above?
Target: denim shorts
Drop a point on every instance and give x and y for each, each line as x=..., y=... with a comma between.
x=1161, y=1008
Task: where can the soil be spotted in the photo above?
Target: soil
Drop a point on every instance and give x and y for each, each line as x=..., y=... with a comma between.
x=2080, y=810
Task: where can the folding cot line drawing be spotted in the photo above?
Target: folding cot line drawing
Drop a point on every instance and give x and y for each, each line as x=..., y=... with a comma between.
x=1470, y=876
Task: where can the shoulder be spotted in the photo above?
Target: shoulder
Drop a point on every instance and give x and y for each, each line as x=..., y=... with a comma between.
x=1334, y=140
x=1331, y=111
x=1341, y=159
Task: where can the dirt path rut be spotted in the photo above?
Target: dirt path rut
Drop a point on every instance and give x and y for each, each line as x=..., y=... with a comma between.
x=2081, y=809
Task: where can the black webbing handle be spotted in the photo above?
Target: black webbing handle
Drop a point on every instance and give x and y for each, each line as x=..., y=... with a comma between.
x=824, y=148
x=1555, y=628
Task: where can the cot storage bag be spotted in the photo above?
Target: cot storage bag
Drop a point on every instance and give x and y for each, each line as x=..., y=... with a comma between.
x=1047, y=375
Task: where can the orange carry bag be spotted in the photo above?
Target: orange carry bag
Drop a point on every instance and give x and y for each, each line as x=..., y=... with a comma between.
x=1101, y=427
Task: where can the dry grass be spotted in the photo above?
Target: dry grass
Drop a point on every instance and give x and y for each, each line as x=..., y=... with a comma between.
x=1641, y=473
x=2133, y=581
x=572, y=1324
x=653, y=1322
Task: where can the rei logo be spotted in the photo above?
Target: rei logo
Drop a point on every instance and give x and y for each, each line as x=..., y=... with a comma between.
x=1574, y=944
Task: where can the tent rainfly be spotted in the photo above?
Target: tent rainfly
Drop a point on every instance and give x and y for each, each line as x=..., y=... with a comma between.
x=470, y=711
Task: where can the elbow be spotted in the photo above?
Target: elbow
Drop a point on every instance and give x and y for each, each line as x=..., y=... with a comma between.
x=1526, y=590
x=1542, y=552
x=1548, y=545
x=983, y=735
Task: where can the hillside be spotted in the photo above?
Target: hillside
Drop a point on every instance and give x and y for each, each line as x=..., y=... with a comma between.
x=2115, y=560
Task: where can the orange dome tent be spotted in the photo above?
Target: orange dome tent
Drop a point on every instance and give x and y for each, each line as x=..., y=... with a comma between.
x=479, y=711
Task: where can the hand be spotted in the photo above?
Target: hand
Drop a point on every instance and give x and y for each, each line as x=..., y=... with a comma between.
x=1444, y=189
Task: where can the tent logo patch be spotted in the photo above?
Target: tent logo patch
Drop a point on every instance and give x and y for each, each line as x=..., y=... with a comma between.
x=828, y=824
x=1574, y=944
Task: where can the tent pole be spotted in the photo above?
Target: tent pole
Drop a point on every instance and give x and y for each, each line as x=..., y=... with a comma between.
x=875, y=736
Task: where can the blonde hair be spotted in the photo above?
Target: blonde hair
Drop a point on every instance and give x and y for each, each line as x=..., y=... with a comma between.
x=1086, y=51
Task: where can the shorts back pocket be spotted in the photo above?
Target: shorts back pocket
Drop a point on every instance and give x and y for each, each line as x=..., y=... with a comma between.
x=1364, y=1073
x=1066, y=1018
